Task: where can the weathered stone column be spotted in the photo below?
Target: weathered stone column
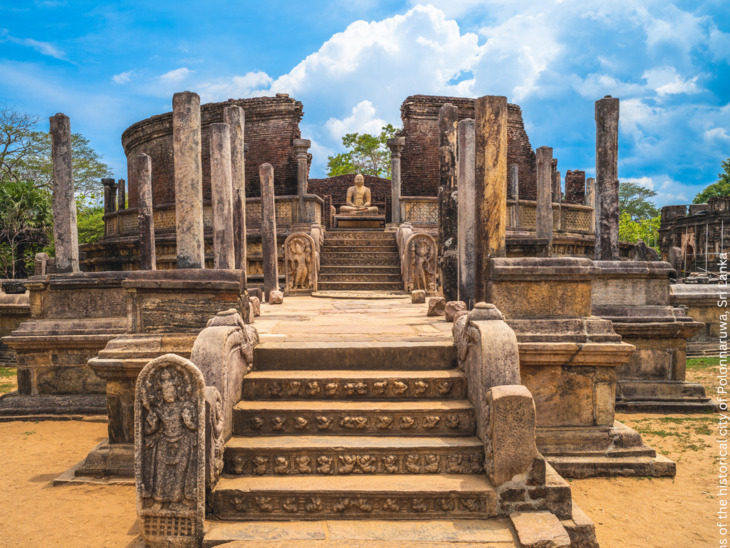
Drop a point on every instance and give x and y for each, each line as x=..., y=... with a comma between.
x=544, y=215
x=557, y=188
x=607, y=113
x=268, y=230
x=448, y=204
x=224, y=255
x=65, y=231
x=590, y=199
x=143, y=175
x=575, y=187
x=110, y=196
x=122, y=196
x=235, y=117
x=466, y=211
x=188, y=180
x=396, y=148
x=300, y=147
x=491, y=186
x=515, y=192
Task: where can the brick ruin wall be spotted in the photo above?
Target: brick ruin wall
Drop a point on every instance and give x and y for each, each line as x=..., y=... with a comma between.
x=336, y=187
x=575, y=187
x=271, y=124
x=420, y=157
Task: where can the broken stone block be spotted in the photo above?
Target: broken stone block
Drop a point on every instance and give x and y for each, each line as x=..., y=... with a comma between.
x=452, y=307
x=460, y=313
x=418, y=296
x=256, y=292
x=436, y=306
x=539, y=530
x=276, y=297
x=255, y=305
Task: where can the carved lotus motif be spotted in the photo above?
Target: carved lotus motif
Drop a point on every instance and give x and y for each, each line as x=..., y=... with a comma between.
x=256, y=423
x=431, y=422
x=277, y=423
x=420, y=387
x=380, y=387
x=331, y=389
x=300, y=423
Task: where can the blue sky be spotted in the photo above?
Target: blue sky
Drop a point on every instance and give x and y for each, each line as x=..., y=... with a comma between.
x=352, y=64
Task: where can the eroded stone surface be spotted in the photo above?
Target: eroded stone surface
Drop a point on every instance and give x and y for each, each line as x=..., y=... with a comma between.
x=436, y=306
x=539, y=530
x=276, y=297
x=418, y=296
x=452, y=307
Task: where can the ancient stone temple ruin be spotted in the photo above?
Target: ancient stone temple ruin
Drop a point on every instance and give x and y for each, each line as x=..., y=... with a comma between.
x=353, y=400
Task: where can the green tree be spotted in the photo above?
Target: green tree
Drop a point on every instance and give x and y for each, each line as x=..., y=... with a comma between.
x=632, y=231
x=25, y=221
x=720, y=188
x=90, y=222
x=366, y=154
x=634, y=200
x=25, y=154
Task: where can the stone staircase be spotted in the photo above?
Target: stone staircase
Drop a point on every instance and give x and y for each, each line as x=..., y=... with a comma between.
x=357, y=260
x=354, y=431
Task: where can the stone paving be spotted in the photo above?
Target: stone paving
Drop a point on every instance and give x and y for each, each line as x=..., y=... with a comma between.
x=315, y=319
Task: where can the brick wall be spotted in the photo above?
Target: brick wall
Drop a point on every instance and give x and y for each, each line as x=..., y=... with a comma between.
x=271, y=124
x=420, y=158
x=336, y=187
x=575, y=187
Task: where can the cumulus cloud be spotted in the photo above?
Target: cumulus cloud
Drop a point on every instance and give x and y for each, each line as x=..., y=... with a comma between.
x=122, y=77
x=362, y=120
x=248, y=85
x=177, y=75
x=666, y=81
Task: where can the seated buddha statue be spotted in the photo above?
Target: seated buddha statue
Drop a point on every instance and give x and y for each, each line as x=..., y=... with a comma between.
x=358, y=199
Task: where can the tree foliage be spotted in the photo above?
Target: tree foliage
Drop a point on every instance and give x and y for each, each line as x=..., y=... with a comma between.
x=632, y=231
x=720, y=188
x=366, y=154
x=25, y=155
x=25, y=222
x=634, y=200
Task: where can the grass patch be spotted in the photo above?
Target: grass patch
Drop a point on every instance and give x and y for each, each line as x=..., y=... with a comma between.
x=8, y=381
x=7, y=372
x=697, y=364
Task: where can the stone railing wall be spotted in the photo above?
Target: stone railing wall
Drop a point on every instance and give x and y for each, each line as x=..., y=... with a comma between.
x=125, y=222
x=419, y=210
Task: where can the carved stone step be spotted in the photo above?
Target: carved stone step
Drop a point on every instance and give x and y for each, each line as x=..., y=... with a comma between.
x=360, y=286
x=337, y=234
x=403, y=418
x=445, y=496
x=353, y=260
x=342, y=455
x=359, y=249
x=388, y=356
x=354, y=385
x=350, y=277
x=359, y=269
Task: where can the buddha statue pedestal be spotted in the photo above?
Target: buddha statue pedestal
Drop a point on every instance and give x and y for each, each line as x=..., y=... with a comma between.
x=358, y=213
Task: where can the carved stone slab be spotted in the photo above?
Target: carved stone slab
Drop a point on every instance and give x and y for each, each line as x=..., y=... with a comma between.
x=301, y=264
x=169, y=416
x=420, y=263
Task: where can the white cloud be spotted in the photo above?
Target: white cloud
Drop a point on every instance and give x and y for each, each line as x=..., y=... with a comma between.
x=646, y=182
x=362, y=120
x=122, y=77
x=248, y=85
x=717, y=133
x=177, y=75
x=44, y=48
x=666, y=81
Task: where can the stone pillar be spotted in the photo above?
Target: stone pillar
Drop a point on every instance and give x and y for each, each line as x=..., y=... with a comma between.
x=466, y=211
x=188, y=180
x=224, y=255
x=143, y=175
x=491, y=186
x=122, y=196
x=448, y=204
x=396, y=147
x=300, y=147
x=544, y=215
x=575, y=187
x=515, y=192
x=268, y=230
x=607, y=113
x=235, y=117
x=590, y=199
x=65, y=231
x=557, y=188
x=110, y=196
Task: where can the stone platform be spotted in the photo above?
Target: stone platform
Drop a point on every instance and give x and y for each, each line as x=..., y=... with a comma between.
x=360, y=221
